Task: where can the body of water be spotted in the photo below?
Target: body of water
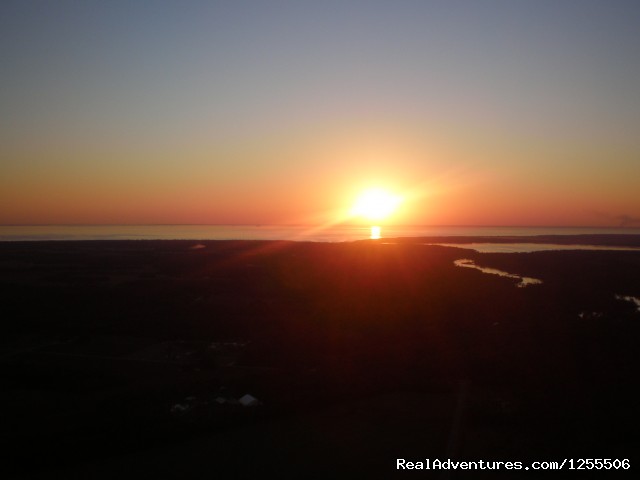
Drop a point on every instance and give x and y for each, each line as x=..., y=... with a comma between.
x=517, y=247
x=270, y=232
x=522, y=281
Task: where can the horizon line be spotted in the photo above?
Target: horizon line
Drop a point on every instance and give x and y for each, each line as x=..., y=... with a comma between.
x=304, y=225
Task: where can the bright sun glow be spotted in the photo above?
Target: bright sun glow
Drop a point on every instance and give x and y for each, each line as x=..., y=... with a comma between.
x=375, y=204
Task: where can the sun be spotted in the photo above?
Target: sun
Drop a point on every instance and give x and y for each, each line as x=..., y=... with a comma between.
x=375, y=204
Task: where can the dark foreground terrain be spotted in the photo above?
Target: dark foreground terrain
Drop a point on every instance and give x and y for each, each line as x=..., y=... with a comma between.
x=133, y=358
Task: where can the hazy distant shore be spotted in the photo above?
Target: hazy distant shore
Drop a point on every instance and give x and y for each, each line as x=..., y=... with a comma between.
x=616, y=240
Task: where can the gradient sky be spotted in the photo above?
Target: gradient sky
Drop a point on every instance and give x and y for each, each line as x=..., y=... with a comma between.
x=479, y=112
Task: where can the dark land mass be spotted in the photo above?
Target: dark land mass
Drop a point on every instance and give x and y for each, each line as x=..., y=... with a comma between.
x=129, y=358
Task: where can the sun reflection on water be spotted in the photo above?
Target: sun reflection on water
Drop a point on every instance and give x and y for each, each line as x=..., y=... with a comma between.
x=375, y=233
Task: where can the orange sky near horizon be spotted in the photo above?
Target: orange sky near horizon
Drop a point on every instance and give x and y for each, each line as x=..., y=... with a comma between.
x=294, y=194
x=503, y=115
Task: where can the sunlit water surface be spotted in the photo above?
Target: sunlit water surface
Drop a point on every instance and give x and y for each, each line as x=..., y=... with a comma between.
x=529, y=247
x=340, y=233
x=523, y=281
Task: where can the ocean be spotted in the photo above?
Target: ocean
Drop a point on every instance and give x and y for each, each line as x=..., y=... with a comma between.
x=341, y=233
